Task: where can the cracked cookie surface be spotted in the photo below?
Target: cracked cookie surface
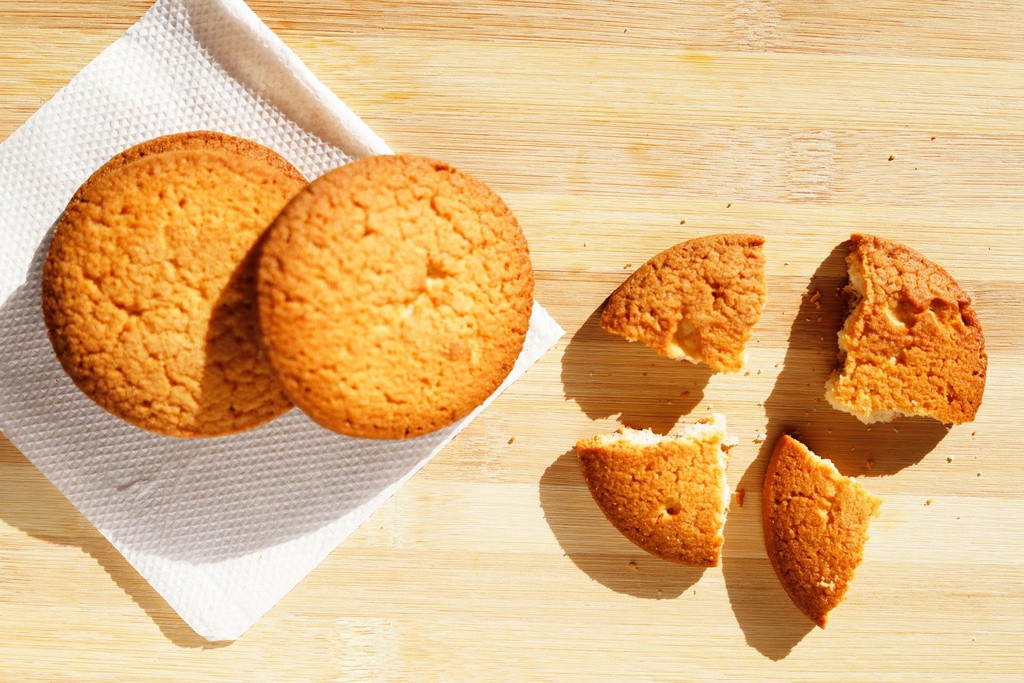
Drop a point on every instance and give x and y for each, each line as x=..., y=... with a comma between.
x=395, y=295
x=666, y=494
x=147, y=291
x=815, y=527
x=697, y=301
x=913, y=343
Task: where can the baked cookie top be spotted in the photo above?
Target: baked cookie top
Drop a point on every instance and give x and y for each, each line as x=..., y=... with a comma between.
x=148, y=291
x=194, y=140
x=395, y=295
x=912, y=345
x=668, y=495
x=697, y=301
x=815, y=527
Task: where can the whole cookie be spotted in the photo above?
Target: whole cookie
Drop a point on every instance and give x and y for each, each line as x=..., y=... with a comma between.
x=147, y=291
x=394, y=296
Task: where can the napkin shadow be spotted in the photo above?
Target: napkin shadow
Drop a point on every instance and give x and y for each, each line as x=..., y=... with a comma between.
x=192, y=500
x=607, y=375
x=34, y=506
x=596, y=547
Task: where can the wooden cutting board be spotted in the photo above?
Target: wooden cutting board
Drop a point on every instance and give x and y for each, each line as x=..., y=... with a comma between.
x=606, y=125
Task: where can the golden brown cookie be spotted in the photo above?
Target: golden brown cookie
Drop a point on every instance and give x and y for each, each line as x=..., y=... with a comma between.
x=395, y=295
x=668, y=494
x=148, y=291
x=815, y=526
x=912, y=345
x=195, y=140
x=697, y=301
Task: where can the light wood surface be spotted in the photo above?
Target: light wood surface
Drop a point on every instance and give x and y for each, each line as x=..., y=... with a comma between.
x=605, y=125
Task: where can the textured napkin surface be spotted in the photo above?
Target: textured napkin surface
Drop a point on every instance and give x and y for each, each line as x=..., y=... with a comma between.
x=222, y=528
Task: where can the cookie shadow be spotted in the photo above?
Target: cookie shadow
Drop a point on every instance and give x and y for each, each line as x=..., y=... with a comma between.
x=233, y=333
x=596, y=547
x=607, y=375
x=771, y=624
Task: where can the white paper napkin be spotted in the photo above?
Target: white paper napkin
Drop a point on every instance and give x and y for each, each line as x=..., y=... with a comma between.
x=221, y=528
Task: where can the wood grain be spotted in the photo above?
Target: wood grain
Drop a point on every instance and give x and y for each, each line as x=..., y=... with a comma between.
x=605, y=124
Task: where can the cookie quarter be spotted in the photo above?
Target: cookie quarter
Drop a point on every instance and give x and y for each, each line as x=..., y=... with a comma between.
x=147, y=291
x=697, y=301
x=913, y=343
x=815, y=527
x=668, y=495
x=395, y=295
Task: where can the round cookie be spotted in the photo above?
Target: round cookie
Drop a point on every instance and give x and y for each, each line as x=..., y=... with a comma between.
x=148, y=288
x=194, y=140
x=394, y=296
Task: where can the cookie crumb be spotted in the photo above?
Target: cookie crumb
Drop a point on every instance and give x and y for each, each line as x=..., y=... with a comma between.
x=682, y=222
x=633, y=566
x=928, y=502
x=511, y=440
x=974, y=433
x=816, y=300
x=759, y=437
x=933, y=137
x=684, y=394
x=892, y=157
x=628, y=265
x=869, y=464
x=729, y=205
x=741, y=494
x=949, y=458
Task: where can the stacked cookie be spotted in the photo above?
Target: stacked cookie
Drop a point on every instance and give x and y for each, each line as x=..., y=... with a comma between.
x=197, y=286
x=911, y=345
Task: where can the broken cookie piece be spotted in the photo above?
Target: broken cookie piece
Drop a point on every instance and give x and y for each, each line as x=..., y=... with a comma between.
x=912, y=344
x=815, y=527
x=666, y=494
x=697, y=301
